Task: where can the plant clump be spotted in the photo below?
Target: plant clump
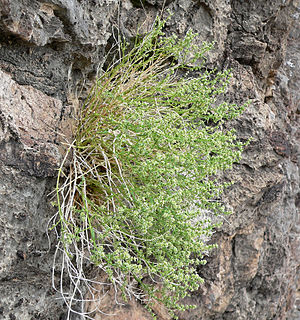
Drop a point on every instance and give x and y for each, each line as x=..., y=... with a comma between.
x=139, y=197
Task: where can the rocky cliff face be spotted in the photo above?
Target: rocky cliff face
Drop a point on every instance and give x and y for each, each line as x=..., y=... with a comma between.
x=50, y=52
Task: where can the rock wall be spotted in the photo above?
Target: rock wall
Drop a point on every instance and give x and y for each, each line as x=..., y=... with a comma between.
x=51, y=51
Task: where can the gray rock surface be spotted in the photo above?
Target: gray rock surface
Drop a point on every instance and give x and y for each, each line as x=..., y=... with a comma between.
x=51, y=51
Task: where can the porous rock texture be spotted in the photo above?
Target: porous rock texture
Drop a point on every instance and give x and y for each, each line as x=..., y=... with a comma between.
x=50, y=53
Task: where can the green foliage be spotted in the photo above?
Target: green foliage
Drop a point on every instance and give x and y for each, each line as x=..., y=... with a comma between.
x=140, y=197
